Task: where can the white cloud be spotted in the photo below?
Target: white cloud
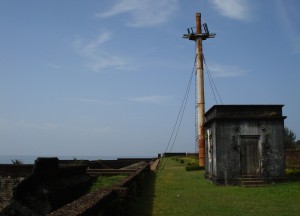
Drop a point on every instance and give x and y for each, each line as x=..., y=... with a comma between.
x=88, y=100
x=289, y=17
x=143, y=12
x=22, y=124
x=98, y=58
x=91, y=48
x=152, y=99
x=234, y=9
x=218, y=70
x=55, y=66
x=104, y=61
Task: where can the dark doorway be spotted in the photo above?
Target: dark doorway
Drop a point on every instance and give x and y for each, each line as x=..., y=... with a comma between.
x=250, y=155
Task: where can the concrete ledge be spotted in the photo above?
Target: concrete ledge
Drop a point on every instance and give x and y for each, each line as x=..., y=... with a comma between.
x=108, y=172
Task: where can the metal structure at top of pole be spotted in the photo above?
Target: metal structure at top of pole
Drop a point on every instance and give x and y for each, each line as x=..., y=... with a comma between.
x=198, y=37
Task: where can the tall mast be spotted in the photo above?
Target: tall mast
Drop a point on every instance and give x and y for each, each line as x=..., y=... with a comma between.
x=198, y=37
x=200, y=85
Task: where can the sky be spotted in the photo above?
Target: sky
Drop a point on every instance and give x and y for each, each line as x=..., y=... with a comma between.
x=107, y=78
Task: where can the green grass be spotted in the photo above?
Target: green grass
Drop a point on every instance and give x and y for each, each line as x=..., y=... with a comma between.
x=177, y=192
x=107, y=181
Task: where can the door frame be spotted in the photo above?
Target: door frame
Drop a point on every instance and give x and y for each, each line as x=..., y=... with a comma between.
x=257, y=170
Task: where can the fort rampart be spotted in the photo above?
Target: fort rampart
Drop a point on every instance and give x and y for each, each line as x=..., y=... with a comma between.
x=61, y=187
x=110, y=201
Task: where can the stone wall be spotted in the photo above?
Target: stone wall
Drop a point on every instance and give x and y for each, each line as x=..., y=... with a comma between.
x=7, y=185
x=111, y=201
x=51, y=184
x=244, y=141
x=49, y=187
x=13, y=170
x=10, y=176
x=115, y=164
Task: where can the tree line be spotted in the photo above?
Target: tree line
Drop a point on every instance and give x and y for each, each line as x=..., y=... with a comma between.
x=290, y=139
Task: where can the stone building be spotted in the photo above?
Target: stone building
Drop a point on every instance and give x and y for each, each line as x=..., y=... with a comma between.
x=244, y=141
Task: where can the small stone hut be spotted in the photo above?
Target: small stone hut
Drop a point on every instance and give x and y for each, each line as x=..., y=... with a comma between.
x=244, y=141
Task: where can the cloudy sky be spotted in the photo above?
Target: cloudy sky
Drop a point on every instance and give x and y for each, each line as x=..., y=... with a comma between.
x=107, y=78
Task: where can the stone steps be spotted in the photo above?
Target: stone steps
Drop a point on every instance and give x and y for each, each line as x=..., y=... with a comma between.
x=252, y=181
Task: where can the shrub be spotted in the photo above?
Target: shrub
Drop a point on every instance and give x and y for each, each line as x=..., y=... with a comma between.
x=179, y=160
x=193, y=167
x=292, y=173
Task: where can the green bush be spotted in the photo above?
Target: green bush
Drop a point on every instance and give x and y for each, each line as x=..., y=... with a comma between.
x=191, y=164
x=179, y=160
x=193, y=167
x=292, y=173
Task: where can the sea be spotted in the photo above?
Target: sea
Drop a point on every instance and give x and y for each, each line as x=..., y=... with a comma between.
x=29, y=159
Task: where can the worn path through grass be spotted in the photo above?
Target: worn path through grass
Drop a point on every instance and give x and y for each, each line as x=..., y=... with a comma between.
x=177, y=192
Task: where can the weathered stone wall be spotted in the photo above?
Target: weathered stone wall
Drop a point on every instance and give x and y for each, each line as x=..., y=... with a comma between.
x=111, y=201
x=52, y=185
x=115, y=164
x=7, y=185
x=237, y=134
x=13, y=170
x=10, y=176
x=49, y=187
x=271, y=152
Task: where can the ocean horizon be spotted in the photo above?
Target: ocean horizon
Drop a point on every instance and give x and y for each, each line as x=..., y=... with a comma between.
x=29, y=159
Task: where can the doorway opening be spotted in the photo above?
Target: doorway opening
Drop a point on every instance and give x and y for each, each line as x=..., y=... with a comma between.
x=250, y=159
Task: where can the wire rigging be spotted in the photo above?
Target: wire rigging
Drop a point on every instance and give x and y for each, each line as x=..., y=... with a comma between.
x=179, y=118
x=177, y=125
x=185, y=102
x=212, y=83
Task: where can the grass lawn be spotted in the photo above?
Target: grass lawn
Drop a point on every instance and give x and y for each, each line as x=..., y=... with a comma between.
x=177, y=192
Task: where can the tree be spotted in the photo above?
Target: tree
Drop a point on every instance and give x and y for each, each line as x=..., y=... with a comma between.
x=17, y=162
x=298, y=144
x=289, y=138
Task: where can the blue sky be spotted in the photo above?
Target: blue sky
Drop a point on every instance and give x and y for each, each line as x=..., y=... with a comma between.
x=108, y=77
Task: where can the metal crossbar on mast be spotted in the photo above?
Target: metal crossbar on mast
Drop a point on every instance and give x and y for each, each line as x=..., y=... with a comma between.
x=198, y=37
